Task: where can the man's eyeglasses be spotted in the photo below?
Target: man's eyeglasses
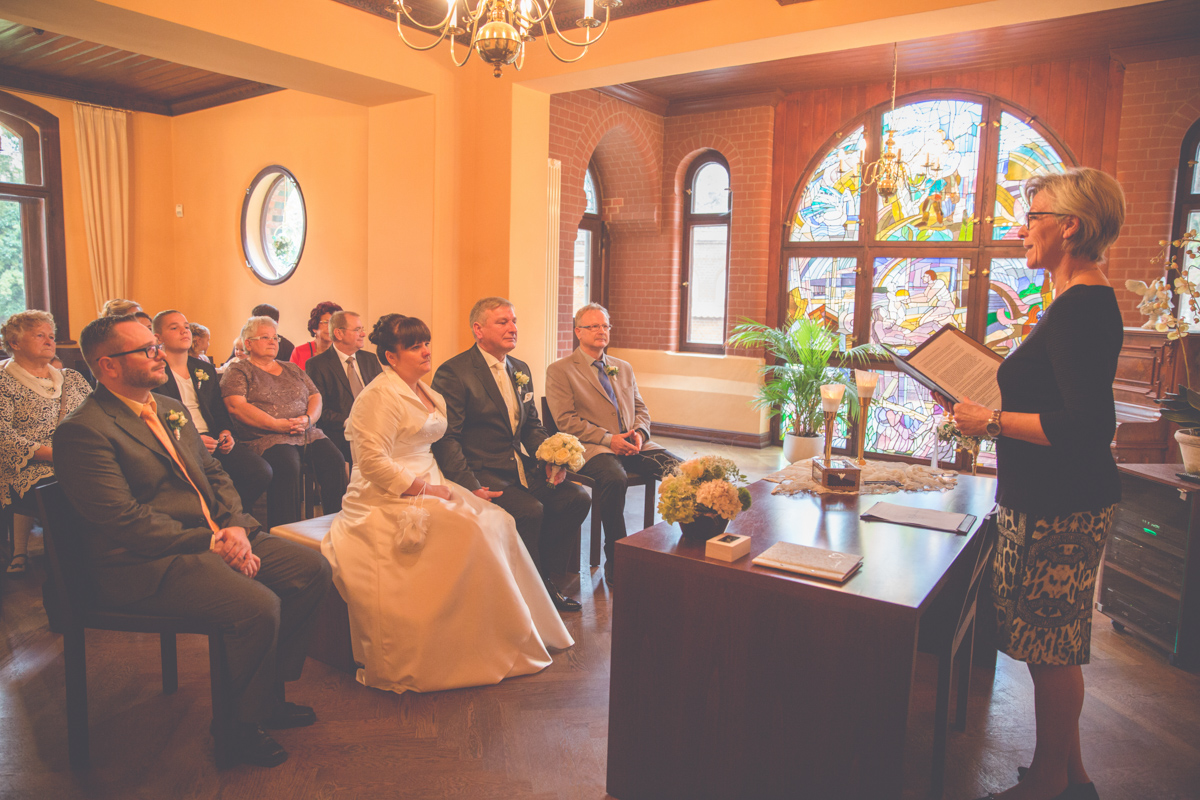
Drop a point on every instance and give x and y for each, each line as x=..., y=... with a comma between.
x=263, y=339
x=595, y=327
x=150, y=351
x=359, y=329
x=1032, y=216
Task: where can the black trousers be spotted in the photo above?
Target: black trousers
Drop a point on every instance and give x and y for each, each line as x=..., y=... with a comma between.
x=250, y=473
x=283, y=495
x=609, y=471
x=546, y=516
x=266, y=621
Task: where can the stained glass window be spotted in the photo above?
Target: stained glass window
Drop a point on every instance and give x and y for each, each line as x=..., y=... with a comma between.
x=828, y=209
x=823, y=289
x=939, y=142
x=903, y=418
x=913, y=298
x=1196, y=172
x=1023, y=154
x=922, y=253
x=710, y=189
x=1017, y=296
x=589, y=192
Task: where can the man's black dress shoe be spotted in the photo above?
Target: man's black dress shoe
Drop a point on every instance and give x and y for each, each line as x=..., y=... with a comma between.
x=1076, y=791
x=561, y=601
x=252, y=745
x=610, y=573
x=290, y=715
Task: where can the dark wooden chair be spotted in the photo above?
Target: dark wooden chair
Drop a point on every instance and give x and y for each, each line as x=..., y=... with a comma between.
x=632, y=479
x=948, y=631
x=72, y=610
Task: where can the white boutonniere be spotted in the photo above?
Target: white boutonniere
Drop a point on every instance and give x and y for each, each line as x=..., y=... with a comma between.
x=201, y=376
x=521, y=378
x=611, y=370
x=176, y=420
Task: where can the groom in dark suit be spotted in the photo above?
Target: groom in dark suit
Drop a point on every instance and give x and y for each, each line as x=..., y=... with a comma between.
x=491, y=414
x=168, y=534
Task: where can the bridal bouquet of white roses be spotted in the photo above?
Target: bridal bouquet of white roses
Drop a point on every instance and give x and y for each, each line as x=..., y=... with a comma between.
x=562, y=451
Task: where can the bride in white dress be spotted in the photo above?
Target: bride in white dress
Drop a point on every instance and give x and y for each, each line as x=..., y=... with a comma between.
x=441, y=591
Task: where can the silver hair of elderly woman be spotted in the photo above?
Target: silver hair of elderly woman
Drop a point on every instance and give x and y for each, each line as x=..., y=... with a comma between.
x=24, y=321
x=250, y=329
x=1091, y=196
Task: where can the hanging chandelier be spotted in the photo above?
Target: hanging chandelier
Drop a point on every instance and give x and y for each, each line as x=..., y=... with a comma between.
x=499, y=29
x=888, y=172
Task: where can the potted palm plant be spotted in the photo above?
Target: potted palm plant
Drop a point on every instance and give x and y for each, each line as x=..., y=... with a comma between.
x=802, y=351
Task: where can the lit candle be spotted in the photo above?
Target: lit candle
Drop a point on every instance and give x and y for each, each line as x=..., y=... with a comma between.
x=453, y=8
x=866, y=382
x=831, y=396
x=589, y=8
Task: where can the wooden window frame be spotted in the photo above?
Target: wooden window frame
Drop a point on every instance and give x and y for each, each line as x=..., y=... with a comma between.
x=42, y=217
x=692, y=220
x=978, y=253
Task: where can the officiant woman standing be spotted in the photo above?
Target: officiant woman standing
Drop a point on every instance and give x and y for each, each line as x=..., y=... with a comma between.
x=1057, y=483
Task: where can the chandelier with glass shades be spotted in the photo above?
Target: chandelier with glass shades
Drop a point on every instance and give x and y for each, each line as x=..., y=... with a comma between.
x=889, y=171
x=499, y=29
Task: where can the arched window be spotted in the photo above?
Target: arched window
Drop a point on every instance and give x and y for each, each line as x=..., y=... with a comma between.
x=33, y=270
x=942, y=250
x=589, y=286
x=707, y=208
x=1187, y=213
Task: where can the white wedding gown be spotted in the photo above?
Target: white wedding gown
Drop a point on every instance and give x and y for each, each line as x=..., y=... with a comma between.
x=466, y=609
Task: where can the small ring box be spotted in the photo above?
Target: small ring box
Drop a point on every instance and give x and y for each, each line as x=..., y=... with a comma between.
x=727, y=547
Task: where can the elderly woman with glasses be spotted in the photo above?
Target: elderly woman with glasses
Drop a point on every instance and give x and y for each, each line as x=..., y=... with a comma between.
x=275, y=407
x=34, y=398
x=1057, y=483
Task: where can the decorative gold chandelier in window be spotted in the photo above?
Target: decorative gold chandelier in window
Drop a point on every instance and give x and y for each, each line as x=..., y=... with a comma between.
x=499, y=29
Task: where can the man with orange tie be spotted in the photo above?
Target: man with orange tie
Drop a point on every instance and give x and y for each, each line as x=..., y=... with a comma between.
x=168, y=534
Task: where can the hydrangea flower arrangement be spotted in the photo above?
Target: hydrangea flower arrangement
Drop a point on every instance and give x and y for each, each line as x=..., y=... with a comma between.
x=706, y=486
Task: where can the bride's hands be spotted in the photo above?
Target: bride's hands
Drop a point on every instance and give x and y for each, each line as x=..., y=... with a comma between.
x=485, y=494
x=439, y=491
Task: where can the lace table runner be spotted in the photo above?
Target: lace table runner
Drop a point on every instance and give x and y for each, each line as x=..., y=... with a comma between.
x=797, y=478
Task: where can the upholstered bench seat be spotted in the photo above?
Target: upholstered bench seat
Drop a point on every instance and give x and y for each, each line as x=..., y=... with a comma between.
x=331, y=639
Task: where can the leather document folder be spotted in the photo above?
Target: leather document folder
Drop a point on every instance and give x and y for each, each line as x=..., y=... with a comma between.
x=809, y=561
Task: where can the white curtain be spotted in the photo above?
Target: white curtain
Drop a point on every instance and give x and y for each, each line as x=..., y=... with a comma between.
x=103, y=141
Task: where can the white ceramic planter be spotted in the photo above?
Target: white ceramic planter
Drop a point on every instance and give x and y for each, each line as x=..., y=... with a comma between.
x=1189, y=448
x=798, y=448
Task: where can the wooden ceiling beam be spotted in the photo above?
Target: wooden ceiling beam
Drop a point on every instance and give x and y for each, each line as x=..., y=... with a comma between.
x=55, y=87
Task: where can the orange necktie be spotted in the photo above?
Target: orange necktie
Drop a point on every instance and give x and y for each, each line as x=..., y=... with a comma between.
x=150, y=415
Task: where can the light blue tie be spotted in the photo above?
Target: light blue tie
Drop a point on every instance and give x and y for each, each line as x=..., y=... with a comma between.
x=604, y=381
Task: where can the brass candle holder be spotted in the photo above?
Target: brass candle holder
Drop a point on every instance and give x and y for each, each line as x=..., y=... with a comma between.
x=840, y=474
x=864, y=404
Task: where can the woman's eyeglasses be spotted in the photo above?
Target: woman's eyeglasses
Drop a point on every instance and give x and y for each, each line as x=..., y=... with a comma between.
x=263, y=339
x=1032, y=216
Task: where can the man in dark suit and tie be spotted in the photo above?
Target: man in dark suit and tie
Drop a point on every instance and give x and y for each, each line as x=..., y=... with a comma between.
x=168, y=534
x=196, y=384
x=340, y=373
x=594, y=397
x=490, y=415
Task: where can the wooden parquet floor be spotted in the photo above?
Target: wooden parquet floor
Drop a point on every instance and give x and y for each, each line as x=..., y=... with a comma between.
x=540, y=737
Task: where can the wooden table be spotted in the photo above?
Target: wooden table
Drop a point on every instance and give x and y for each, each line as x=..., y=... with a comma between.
x=736, y=681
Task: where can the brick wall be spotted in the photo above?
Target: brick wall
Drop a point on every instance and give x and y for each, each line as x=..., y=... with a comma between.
x=640, y=160
x=1161, y=101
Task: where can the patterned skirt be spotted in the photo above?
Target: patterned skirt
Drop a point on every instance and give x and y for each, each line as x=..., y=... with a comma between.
x=1043, y=580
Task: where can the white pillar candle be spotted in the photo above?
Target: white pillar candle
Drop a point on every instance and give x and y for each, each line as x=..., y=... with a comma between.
x=866, y=382
x=589, y=9
x=831, y=396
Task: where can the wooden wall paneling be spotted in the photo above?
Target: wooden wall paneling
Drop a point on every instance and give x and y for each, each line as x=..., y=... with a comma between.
x=1021, y=84
x=1002, y=83
x=1056, y=99
x=1112, y=116
x=1097, y=107
x=1076, y=120
x=1039, y=89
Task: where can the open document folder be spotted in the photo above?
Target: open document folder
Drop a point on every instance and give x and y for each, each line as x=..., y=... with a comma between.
x=920, y=517
x=953, y=364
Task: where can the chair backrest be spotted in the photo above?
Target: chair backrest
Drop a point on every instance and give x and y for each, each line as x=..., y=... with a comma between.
x=68, y=581
x=548, y=419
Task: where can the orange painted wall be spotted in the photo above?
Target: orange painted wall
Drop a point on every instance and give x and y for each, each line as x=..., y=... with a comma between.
x=215, y=155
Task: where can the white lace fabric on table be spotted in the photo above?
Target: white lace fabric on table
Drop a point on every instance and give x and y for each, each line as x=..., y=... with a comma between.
x=797, y=479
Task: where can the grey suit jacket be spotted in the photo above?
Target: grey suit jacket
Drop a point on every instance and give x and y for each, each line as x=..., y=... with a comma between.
x=479, y=436
x=143, y=511
x=581, y=407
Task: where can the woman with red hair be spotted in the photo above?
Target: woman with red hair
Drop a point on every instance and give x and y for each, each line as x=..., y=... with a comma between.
x=318, y=328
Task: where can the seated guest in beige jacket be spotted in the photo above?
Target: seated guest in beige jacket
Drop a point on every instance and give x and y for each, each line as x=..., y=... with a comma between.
x=594, y=397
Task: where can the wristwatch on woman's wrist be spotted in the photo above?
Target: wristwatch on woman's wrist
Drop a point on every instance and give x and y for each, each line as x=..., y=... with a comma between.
x=994, y=431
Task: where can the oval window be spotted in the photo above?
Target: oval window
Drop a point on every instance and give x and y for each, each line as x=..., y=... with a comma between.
x=274, y=223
